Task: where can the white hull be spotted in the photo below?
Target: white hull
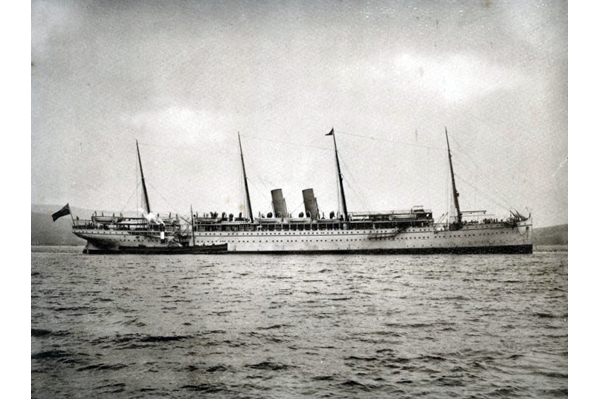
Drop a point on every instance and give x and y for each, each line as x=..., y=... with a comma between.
x=478, y=238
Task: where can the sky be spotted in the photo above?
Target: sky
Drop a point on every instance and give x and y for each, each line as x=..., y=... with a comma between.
x=184, y=77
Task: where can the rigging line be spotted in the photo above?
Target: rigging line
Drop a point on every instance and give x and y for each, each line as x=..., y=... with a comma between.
x=490, y=187
x=137, y=198
x=462, y=152
x=483, y=193
x=478, y=171
x=261, y=181
x=391, y=141
x=134, y=192
x=499, y=199
x=257, y=189
x=338, y=195
x=485, y=177
x=173, y=208
x=465, y=153
x=366, y=206
x=428, y=178
x=242, y=192
x=440, y=219
x=361, y=198
x=359, y=195
x=447, y=193
x=299, y=205
x=284, y=142
x=456, y=142
x=188, y=148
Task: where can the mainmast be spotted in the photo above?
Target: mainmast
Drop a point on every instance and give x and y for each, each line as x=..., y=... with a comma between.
x=454, y=191
x=337, y=160
x=144, y=190
x=245, y=180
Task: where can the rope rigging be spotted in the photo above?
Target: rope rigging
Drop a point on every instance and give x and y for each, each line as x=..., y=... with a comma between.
x=486, y=181
x=483, y=193
x=129, y=199
x=491, y=191
x=166, y=201
x=360, y=196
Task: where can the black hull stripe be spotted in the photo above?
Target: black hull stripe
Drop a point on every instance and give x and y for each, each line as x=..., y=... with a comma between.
x=515, y=249
x=150, y=250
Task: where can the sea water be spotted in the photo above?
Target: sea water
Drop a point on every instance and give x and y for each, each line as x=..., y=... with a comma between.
x=293, y=326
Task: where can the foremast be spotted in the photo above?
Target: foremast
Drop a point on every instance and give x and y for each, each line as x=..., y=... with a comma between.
x=458, y=224
x=245, y=181
x=144, y=190
x=337, y=161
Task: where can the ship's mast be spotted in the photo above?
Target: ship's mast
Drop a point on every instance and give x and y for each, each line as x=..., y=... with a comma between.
x=193, y=236
x=337, y=161
x=245, y=180
x=454, y=191
x=144, y=190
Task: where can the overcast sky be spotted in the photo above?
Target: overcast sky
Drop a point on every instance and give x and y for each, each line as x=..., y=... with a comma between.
x=183, y=77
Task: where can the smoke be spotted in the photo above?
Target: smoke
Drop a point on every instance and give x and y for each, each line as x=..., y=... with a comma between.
x=150, y=217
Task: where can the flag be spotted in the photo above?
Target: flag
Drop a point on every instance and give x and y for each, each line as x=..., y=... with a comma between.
x=330, y=133
x=66, y=210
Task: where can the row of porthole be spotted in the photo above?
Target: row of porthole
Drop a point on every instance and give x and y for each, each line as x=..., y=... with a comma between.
x=427, y=237
x=334, y=240
x=401, y=238
x=291, y=233
x=292, y=241
x=331, y=233
x=296, y=232
x=310, y=233
x=480, y=234
x=266, y=241
x=340, y=240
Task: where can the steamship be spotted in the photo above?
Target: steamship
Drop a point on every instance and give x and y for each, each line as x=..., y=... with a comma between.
x=411, y=231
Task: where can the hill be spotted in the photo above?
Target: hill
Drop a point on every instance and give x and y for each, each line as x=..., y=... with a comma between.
x=46, y=232
x=552, y=235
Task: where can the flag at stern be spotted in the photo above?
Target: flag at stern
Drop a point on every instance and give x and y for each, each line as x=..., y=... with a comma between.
x=66, y=210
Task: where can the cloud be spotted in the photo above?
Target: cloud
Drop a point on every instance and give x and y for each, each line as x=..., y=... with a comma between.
x=540, y=24
x=188, y=125
x=458, y=77
x=49, y=18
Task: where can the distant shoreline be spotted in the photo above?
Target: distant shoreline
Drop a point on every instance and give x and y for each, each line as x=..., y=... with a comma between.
x=550, y=247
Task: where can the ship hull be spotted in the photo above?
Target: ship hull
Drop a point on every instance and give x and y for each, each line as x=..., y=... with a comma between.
x=471, y=239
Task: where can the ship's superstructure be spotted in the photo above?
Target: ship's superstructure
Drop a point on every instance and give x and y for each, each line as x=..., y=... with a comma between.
x=398, y=231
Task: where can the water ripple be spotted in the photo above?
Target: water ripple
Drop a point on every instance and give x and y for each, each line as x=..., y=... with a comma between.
x=437, y=326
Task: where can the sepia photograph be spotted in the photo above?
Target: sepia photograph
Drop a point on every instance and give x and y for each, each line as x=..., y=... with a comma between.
x=286, y=199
